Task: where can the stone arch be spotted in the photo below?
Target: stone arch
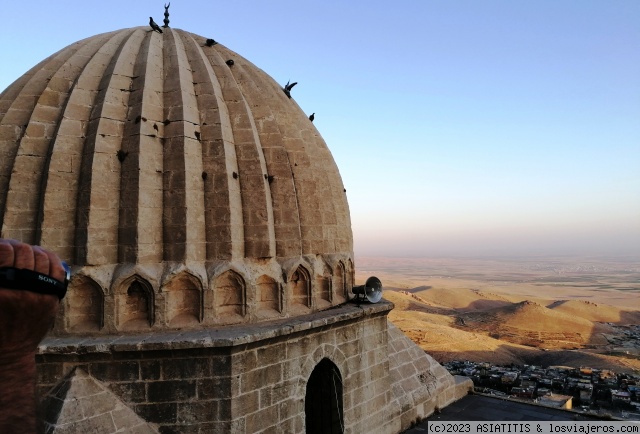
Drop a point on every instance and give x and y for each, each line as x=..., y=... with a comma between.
x=183, y=298
x=323, y=402
x=340, y=283
x=135, y=304
x=323, y=352
x=323, y=285
x=269, y=297
x=299, y=284
x=84, y=305
x=230, y=295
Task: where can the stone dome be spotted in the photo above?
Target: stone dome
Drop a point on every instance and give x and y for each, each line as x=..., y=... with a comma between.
x=185, y=190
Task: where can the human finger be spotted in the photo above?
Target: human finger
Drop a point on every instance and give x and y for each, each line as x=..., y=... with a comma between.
x=56, y=270
x=23, y=255
x=6, y=253
x=41, y=260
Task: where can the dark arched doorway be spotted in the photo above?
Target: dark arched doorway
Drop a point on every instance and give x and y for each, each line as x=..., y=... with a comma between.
x=323, y=400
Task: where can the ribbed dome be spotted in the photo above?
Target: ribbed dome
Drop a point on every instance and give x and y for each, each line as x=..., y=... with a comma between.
x=185, y=191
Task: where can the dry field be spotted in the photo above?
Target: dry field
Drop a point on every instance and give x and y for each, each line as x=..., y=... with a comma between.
x=558, y=311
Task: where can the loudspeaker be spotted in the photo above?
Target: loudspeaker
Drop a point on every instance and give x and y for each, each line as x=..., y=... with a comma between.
x=371, y=291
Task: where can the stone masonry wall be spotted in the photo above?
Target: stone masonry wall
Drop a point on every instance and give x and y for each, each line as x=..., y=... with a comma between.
x=240, y=380
x=419, y=384
x=253, y=379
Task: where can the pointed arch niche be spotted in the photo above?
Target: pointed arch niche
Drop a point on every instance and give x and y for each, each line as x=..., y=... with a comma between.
x=230, y=296
x=269, y=297
x=135, y=304
x=183, y=300
x=350, y=276
x=323, y=287
x=340, y=284
x=300, y=290
x=84, y=305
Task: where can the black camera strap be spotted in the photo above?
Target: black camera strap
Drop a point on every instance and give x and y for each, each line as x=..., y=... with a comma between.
x=29, y=280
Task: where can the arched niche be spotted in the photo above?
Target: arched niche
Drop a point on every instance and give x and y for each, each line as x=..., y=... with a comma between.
x=323, y=407
x=323, y=286
x=230, y=295
x=300, y=289
x=269, y=297
x=350, y=275
x=183, y=298
x=339, y=283
x=135, y=304
x=84, y=305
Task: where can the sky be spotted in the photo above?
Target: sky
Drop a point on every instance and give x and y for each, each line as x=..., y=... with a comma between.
x=460, y=127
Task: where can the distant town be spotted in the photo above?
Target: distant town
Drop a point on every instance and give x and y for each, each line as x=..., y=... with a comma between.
x=599, y=392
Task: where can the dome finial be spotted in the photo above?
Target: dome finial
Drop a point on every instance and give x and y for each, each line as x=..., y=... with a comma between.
x=166, y=15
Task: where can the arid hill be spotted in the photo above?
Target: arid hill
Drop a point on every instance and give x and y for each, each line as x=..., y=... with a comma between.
x=548, y=313
x=461, y=299
x=595, y=312
x=436, y=334
x=440, y=333
x=531, y=316
x=529, y=323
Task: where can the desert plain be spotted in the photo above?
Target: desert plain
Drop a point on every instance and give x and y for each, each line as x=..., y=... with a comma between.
x=568, y=311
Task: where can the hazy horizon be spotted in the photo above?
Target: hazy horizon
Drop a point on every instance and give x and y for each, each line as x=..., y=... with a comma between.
x=460, y=128
x=495, y=245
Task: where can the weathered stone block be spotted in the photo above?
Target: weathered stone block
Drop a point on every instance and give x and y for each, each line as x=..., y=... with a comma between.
x=246, y=403
x=186, y=368
x=262, y=419
x=161, y=413
x=116, y=371
x=171, y=390
x=130, y=392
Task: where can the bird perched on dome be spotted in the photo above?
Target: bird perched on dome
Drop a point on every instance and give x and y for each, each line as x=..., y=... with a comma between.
x=287, y=88
x=312, y=117
x=154, y=26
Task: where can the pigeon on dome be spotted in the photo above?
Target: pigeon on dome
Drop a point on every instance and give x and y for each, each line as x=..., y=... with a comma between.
x=154, y=26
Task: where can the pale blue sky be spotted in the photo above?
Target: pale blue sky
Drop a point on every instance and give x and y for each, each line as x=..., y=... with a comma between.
x=459, y=127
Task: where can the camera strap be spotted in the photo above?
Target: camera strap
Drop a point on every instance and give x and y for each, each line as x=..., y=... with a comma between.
x=29, y=280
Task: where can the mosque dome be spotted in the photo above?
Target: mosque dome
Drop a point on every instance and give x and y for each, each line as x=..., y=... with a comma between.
x=182, y=184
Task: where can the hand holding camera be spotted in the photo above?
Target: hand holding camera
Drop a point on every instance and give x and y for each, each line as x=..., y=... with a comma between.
x=32, y=281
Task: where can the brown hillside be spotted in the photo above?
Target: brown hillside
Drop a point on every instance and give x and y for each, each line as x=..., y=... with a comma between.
x=432, y=328
x=411, y=309
x=405, y=300
x=461, y=309
x=529, y=323
x=460, y=298
x=446, y=343
x=594, y=312
x=531, y=316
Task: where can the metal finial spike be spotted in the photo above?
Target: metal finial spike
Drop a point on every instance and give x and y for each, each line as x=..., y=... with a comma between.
x=166, y=15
